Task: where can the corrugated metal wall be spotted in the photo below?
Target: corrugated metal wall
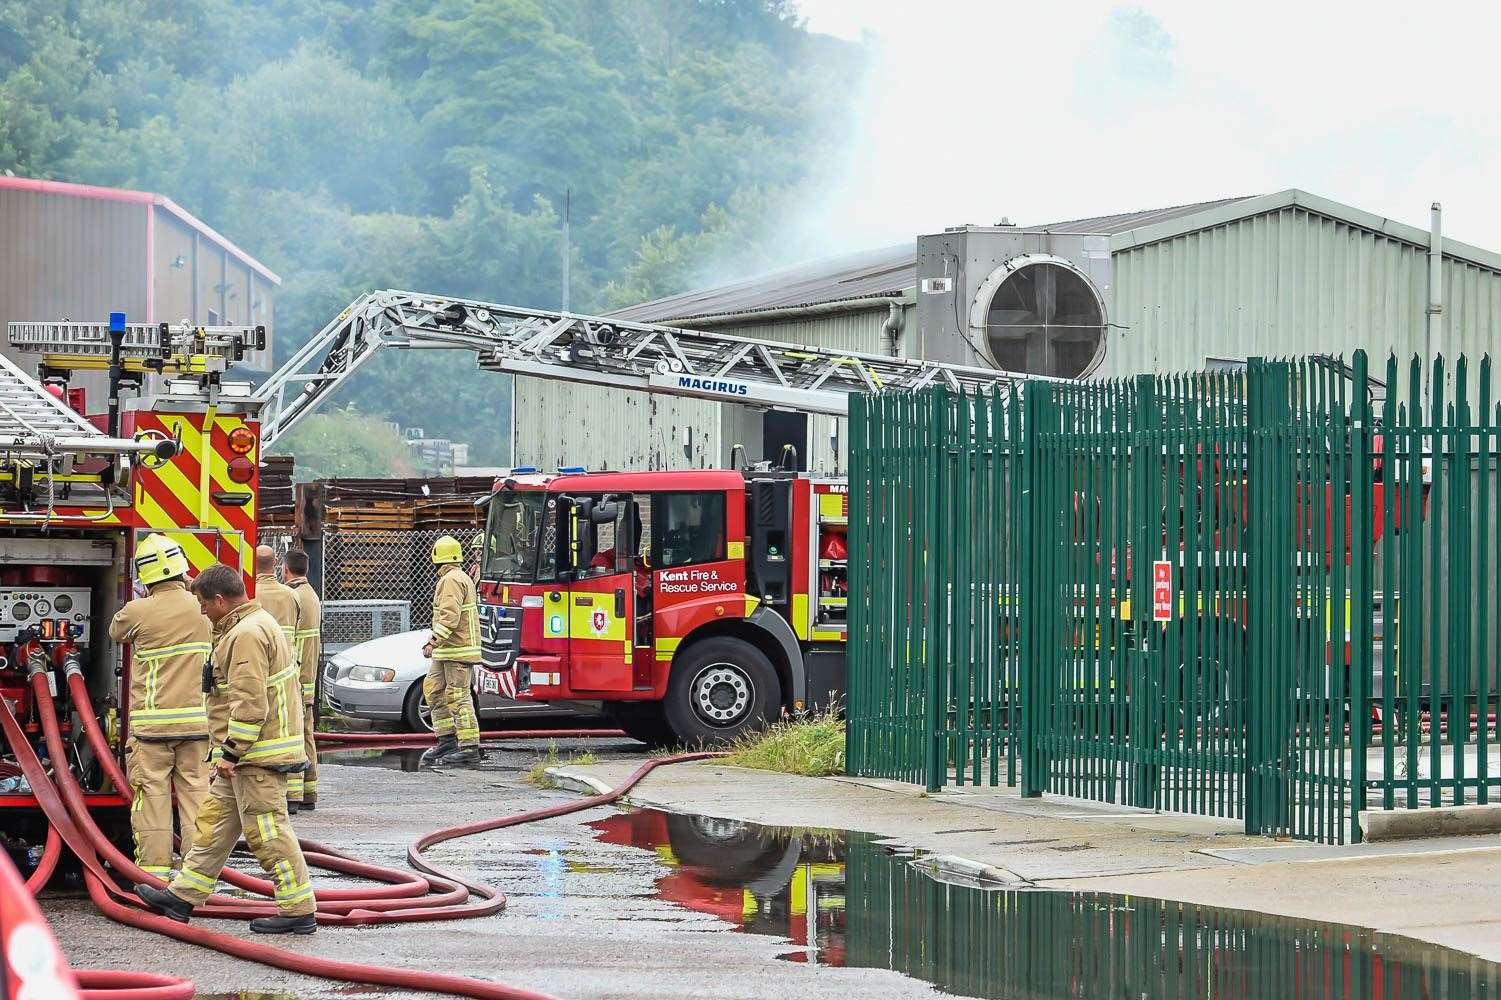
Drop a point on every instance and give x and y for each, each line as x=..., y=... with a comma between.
x=1284, y=283
x=856, y=331
x=561, y=423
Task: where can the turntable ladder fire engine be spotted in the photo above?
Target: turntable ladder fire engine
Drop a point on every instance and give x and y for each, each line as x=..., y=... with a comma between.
x=595, y=351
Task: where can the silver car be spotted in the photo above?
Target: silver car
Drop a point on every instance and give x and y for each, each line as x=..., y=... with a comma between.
x=381, y=680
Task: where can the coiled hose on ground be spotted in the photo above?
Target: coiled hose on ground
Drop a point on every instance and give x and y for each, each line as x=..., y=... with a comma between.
x=435, y=894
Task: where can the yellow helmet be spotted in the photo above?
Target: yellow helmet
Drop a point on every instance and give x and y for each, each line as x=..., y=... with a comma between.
x=447, y=550
x=159, y=558
x=477, y=543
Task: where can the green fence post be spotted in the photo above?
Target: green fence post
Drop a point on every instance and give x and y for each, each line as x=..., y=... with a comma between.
x=1362, y=566
x=1034, y=539
x=1145, y=739
x=935, y=548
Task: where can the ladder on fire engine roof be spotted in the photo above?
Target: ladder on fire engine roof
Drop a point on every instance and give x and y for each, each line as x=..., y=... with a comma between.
x=596, y=351
x=38, y=427
x=161, y=348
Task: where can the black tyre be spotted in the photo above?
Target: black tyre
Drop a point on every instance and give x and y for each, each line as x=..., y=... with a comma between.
x=414, y=711
x=642, y=720
x=724, y=851
x=721, y=689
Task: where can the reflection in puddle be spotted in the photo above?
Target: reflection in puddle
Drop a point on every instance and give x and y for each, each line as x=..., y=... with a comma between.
x=392, y=760
x=845, y=900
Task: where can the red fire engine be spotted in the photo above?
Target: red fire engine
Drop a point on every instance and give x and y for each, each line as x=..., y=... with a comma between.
x=78, y=491
x=695, y=604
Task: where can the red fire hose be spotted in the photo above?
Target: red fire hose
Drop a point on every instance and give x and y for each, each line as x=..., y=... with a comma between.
x=111, y=984
x=65, y=808
x=393, y=741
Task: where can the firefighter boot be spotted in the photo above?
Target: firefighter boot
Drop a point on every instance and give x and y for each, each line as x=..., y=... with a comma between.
x=305, y=924
x=162, y=901
x=447, y=743
x=461, y=755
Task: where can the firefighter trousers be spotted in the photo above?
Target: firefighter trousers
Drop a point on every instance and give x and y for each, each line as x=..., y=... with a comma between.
x=156, y=769
x=446, y=689
x=304, y=787
x=252, y=800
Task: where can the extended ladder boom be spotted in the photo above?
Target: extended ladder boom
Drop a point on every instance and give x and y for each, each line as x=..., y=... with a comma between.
x=596, y=351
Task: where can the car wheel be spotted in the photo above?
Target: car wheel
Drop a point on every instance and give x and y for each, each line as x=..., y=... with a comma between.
x=414, y=711
x=720, y=689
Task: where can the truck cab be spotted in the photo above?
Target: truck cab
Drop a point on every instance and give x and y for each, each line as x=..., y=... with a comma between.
x=693, y=604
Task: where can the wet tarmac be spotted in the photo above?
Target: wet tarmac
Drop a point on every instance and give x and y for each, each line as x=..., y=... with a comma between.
x=849, y=900
x=637, y=903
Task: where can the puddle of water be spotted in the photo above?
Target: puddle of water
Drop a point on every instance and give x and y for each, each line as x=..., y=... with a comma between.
x=404, y=760
x=845, y=900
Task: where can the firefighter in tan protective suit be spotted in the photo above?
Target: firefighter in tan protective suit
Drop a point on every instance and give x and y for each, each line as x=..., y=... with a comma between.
x=169, y=727
x=309, y=647
x=261, y=746
x=279, y=600
x=453, y=650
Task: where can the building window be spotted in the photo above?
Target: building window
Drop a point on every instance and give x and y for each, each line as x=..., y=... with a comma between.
x=687, y=528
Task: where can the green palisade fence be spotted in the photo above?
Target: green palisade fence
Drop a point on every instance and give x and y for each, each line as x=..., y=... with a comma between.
x=1267, y=594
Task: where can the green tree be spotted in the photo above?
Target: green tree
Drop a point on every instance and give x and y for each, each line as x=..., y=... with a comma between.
x=346, y=443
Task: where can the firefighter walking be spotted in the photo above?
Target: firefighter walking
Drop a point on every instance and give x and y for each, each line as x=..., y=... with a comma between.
x=169, y=726
x=263, y=744
x=309, y=649
x=278, y=599
x=453, y=649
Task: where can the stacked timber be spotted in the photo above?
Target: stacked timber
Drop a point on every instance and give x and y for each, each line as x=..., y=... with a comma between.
x=276, y=507
x=446, y=503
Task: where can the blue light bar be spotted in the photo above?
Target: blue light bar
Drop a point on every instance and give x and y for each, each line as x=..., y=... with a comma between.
x=571, y=470
x=116, y=322
x=523, y=470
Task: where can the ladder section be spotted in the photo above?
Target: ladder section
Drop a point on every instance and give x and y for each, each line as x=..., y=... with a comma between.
x=144, y=347
x=35, y=424
x=597, y=351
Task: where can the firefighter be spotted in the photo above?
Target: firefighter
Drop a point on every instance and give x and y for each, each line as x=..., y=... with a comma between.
x=279, y=600
x=169, y=727
x=453, y=650
x=248, y=791
x=309, y=648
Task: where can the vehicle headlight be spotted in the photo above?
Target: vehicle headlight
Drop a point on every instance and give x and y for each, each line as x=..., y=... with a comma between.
x=372, y=675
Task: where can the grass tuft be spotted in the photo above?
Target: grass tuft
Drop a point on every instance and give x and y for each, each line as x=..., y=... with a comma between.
x=538, y=774
x=812, y=747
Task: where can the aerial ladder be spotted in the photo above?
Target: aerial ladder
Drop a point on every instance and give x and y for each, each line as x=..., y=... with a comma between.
x=190, y=363
x=596, y=351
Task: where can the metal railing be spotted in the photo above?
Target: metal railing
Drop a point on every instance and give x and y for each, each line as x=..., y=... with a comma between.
x=1266, y=594
x=349, y=623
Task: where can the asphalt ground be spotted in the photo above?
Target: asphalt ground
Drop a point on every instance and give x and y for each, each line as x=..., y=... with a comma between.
x=584, y=918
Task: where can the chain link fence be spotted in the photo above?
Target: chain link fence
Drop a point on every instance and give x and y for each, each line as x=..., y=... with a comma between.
x=382, y=566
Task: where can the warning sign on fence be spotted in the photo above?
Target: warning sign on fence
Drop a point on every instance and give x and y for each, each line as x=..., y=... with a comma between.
x=1162, y=591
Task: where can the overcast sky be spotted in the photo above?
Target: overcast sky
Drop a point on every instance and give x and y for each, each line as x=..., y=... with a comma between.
x=1042, y=112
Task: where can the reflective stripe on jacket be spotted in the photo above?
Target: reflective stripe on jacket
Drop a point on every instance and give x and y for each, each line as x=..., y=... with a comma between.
x=309, y=636
x=170, y=641
x=264, y=723
x=455, y=617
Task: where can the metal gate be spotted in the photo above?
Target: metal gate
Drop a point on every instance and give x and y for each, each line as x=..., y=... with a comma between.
x=1266, y=593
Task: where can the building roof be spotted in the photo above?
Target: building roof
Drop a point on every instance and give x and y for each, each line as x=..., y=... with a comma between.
x=866, y=279
x=871, y=274
x=88, y=191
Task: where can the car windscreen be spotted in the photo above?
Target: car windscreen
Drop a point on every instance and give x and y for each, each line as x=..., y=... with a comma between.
x=512, y=533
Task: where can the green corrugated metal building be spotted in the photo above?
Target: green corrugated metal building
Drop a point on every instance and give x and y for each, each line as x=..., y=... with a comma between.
x=1149, y=291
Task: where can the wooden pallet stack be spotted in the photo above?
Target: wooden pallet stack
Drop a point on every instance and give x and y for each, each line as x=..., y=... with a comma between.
x=276, y=505
x=405, y=504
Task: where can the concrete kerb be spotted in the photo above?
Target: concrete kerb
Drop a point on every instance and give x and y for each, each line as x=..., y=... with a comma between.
x=1441, y=821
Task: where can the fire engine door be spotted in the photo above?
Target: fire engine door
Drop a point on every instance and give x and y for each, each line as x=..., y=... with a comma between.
x=601, y=599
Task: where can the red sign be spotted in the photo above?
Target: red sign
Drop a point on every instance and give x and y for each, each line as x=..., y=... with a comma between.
x=1162, y=591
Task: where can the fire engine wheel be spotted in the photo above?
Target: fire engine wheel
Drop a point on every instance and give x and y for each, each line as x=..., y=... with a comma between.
x=720, y=689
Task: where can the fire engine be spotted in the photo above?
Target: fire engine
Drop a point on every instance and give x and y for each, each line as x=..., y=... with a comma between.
x=174, y=449
x=695, y=604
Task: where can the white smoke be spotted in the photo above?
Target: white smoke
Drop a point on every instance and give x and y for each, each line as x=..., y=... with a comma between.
x=979, y=109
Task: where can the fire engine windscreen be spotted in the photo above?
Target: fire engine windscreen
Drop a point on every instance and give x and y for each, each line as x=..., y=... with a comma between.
x=513, y=531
